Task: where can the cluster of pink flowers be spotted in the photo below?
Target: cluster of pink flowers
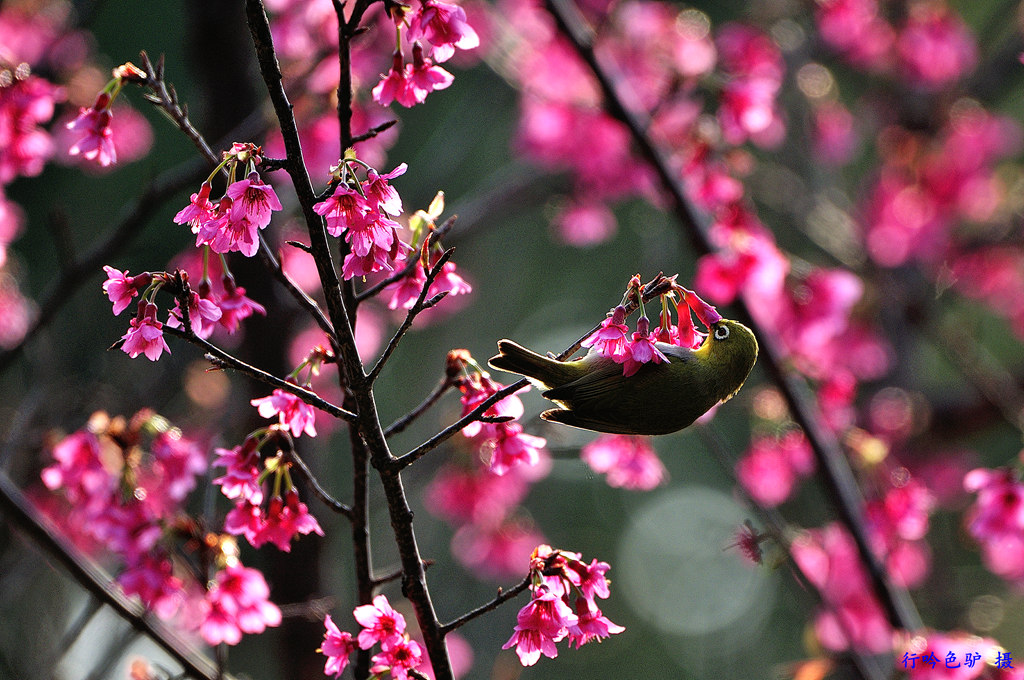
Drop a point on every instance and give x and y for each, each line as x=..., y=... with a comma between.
x=627, y=461
x=277, y=517
x=128, y=501
x=232, y=223
x=754, y=70
x=930, y=49
x=674, y=64
x=480, y=494
x=504, y=445
x=382, y=625
x=361, y=215
x=772, y=466
x=209, y=308
x=444, y=27
x=563, y=605
x=850, y=617
x=612, y=340
x=996, y=520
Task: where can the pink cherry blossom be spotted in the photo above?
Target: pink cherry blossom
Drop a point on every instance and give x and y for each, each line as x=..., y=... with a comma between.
x=474, y=494
x=395, y=85
x=628, y=462
x=146, y=334
x=850, y=616
x=397, y=656
x=241, y=477
x=611, y=339
x=591, y=624
x=934, y=47
x=337, y=647
x=199, y=211
x=121, y=288
x=378, y=189
x=640, y=350
x=511, y=447
x=252, y=200
x=424, y=77
x=97, y=142
x=203, y=315
x=539, y=625
x=444, y=26
x=284, y=520
x=996, y=520
x=292, y=412
x=495, y=549
x=238, y=602
x=25, y=105
x=152, y=580
x=380, y=622
x=771, y=467
x=235, y=306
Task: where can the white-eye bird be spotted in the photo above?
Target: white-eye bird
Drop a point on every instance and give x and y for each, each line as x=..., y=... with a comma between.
x=659, y=398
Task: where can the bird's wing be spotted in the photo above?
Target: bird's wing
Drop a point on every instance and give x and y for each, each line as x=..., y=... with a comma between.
x=595, y=381
x=602, y=383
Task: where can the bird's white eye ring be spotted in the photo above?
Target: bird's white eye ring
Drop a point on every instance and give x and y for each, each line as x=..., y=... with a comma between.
x=721, y=333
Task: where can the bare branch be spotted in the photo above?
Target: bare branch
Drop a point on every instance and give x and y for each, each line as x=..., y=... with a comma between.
x=499, y=599
x=224, y=360
x=20, y=513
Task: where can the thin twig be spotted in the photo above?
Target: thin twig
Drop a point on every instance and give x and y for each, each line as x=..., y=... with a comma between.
x=499, y=599
x=224, y=360
x=321, y=493
x=410, y=316
x=273, y=264
x=394, y=428
x=435, y=236
x=835, y=468
x=20, y=512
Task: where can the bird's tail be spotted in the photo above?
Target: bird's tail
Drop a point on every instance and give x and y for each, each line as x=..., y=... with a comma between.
x=517, y=359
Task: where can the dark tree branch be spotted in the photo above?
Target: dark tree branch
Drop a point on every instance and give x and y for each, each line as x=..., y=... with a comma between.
x=404, y=422
x=836, y=472
x=502, y=597
x=224, y=360
x=20, y=512
x=368, y=427
x=410, y=316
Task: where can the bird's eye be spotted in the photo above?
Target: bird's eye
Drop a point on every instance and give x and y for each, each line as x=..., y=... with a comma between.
x=721, y=333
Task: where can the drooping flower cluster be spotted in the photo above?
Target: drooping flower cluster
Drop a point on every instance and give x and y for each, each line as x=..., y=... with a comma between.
x=611, y=339
x=480, y=493
x=382, y=625
x=850, y=616
x=504, y=445
x=563, y=605
x=362, y=212
x=406, y=290
x=627, y=461
x=930, y=49
x=210, y=307
x=996, y=520
x=232, y=223
x=127, y=499
x=277, y=517
x=444, y=27
x=771, y=467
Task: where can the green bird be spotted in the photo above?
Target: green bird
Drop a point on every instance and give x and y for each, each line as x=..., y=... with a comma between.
x=659, y=398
